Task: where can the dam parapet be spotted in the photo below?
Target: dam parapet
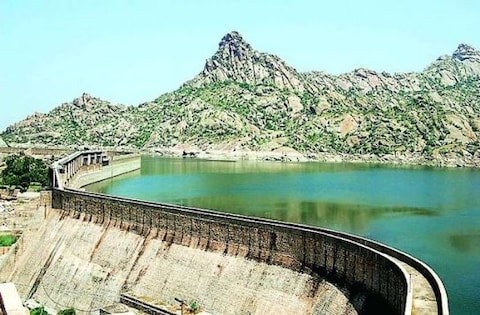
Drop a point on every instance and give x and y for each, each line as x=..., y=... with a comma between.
x=82, y=168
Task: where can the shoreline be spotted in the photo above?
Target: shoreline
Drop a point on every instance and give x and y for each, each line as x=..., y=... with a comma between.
x=292, y=156
x=282, y=154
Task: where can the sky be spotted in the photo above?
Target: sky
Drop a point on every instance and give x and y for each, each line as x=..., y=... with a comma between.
x=131, y=52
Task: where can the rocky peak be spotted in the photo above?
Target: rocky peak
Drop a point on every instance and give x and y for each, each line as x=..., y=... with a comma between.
x=466, y=52
x=236, y=60
x=232, y=51
x=235, y=41
x=86, y=101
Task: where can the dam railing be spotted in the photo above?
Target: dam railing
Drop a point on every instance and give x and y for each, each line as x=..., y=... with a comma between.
x=343, y=258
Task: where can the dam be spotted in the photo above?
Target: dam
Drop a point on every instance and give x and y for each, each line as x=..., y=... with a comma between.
x=93, y=247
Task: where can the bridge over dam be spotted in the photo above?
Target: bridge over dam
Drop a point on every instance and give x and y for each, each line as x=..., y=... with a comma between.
x=91, y=248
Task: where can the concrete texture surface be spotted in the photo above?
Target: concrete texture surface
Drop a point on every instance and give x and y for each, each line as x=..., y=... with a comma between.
x=68, y=262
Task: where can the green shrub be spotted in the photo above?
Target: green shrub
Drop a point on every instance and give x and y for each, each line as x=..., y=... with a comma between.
x=38, y=311
x=194, y=306
x=68, y=311
x=7, y=240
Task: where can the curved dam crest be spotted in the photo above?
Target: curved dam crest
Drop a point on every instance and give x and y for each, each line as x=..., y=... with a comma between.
x=103, y=246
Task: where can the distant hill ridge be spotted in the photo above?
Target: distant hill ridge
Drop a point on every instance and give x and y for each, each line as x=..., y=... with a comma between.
x=244, y=100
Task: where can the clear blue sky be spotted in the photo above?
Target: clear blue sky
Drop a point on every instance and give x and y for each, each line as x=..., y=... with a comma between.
x=133, y=51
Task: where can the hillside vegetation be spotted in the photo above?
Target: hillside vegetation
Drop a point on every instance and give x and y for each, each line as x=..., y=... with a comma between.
x=245, y=100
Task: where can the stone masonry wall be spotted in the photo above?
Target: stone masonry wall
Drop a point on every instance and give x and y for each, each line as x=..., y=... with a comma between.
x=297, y=248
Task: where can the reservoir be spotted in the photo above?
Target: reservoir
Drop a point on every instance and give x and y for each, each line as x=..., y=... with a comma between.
x=431, y=213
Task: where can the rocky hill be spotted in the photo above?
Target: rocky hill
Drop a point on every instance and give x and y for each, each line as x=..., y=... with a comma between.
x=245, y=100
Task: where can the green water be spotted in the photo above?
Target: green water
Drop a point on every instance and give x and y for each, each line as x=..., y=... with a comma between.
x=432, y=213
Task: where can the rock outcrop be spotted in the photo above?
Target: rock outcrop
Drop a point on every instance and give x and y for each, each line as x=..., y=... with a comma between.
x=235, y=60
x=245, y=101
x=465, y=52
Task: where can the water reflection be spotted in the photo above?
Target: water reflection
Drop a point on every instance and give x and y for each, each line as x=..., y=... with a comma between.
x=105, y=185
x=150, y=166
x=466, y=243
x=342, y=216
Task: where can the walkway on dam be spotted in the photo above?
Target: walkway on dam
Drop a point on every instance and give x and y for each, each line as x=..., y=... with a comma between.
x=424, y=300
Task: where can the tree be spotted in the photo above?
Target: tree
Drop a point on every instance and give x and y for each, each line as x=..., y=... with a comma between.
x=22, y=170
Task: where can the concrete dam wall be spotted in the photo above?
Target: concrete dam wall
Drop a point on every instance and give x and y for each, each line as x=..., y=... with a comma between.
x=76, y=262
x=303, y=250
x=95, y=247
